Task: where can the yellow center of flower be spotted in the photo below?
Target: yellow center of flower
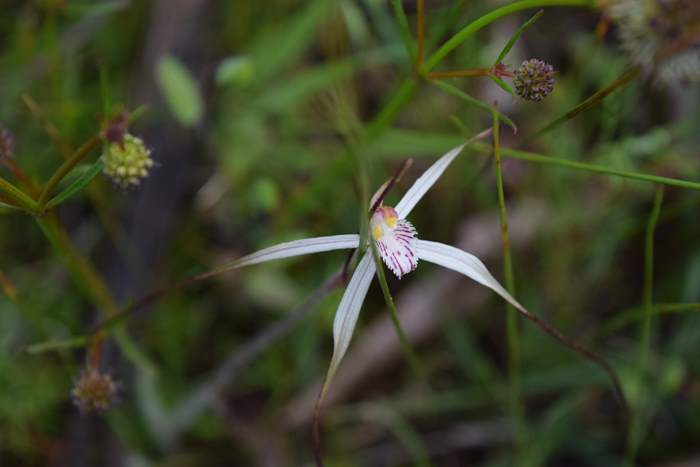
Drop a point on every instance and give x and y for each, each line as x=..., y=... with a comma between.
x=384, y=218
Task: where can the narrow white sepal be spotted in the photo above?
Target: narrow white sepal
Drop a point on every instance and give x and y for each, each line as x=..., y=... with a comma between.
x=348, y=311
x=297, y=248
x=430, y=176
x=465, y=263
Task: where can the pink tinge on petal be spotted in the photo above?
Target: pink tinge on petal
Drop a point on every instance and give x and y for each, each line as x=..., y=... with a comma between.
x=397, y=248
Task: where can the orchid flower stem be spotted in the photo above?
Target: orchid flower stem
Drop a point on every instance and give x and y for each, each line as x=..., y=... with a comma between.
x=408, y=351
x=489, y=18
x=65, y=169
x=512, y=317
x=639, y=414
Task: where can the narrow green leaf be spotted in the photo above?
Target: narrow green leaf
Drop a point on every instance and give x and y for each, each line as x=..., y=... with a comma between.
x=516, y=35
x=503, y=85
x=448, y=88
x=137, y=113
x=7, y=206
x=180, y=91
x=78, y=185
x=59, y=344
x=404, y=28
x=270, y=57
x=237, y=70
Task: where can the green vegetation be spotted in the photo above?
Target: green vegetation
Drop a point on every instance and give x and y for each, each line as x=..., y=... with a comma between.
x=146, y=146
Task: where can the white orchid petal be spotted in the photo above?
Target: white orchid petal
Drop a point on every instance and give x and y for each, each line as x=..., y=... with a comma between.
x=397, y=248
x=430, y=176
x=297, y=248
x=465, y=263
x=348, y=311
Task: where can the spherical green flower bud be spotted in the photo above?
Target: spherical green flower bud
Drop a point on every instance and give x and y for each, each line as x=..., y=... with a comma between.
x=127, y=162
x=94, y=391
x=534, y=80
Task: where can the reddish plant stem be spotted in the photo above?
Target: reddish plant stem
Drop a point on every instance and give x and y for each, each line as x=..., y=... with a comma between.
x=420, y=33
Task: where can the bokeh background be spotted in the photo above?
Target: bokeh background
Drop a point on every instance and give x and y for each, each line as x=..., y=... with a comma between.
x=250, y=109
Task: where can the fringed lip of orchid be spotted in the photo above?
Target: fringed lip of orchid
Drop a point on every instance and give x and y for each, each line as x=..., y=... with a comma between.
x=395, y=239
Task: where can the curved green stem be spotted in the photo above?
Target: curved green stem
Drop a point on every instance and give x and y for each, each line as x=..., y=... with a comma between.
x=625, y=78
x=93, y=285
x=641, y=413
x=512, y=317
x=65, y=169
x=489, y=18
x=18, y=196
x=601, y=169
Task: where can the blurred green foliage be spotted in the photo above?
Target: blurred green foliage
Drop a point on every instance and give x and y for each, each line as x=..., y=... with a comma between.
x=251, y=109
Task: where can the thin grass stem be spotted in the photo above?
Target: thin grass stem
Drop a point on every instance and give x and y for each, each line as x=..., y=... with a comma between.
x=489, y=18
x=640, y=412
x=584, y=166
x=420, y=33
x=65, y=169
x=18, y=196
x=404, y=28
x=625, y=78
x=459, y=73
x=512, y=332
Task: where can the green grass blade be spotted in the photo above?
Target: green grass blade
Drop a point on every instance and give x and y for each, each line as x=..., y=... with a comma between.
x=514, y=38
x=404, y=28
x=448, y=88
x=503, y=85
x=78, y=185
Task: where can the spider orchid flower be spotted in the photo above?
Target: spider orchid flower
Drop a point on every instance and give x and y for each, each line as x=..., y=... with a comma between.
x=399, y=248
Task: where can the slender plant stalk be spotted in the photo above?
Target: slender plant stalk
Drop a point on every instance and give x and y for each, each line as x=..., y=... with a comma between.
x=628, y=316
x=406, y=348
x=624, y=79
x=19, y=197
x=646, y=328
x=459, y=73
x=489, y=18
x=600, y=169
x=93, y=286
x=22, y=179
x=50, y=129
x=511, y=315
x=404, y=28
x=420, y=33
x=94, y=192
x=640, y=415
x=65, y=169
